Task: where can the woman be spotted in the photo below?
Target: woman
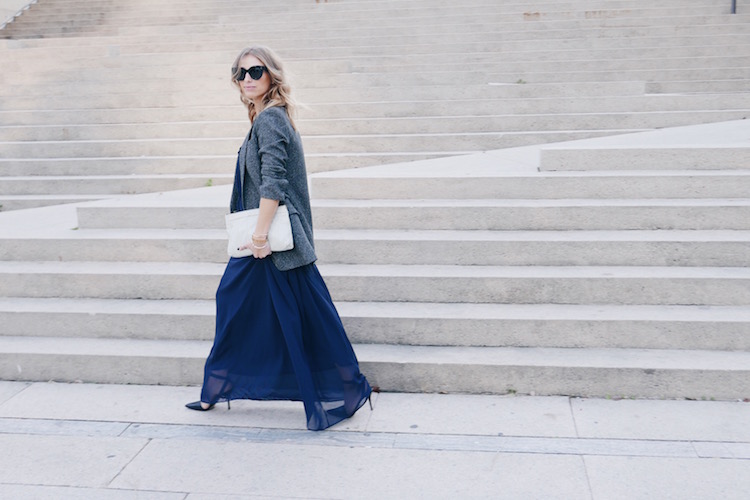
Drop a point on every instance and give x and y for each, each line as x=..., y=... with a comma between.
x=278, y=335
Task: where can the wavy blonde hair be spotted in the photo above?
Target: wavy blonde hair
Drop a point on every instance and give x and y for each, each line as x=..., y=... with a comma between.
x=279, y=93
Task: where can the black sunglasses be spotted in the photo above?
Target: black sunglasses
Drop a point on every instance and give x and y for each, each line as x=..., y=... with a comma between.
x=256, y=72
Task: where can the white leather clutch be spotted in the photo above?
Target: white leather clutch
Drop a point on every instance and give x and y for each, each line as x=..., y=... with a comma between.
x=241, y=225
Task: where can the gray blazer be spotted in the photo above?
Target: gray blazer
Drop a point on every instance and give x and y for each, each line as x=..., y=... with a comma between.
x=272, y=165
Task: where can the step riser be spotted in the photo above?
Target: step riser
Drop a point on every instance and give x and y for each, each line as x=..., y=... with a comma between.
x=215, y=164
x=135, y=17
x=542, y=290
x=322, y=95
x=517, y=45
x=312, y=145
x=644, y=20
x=400, y=377
x=101, y=110
x=638, y=334
x=104, y=186
x=486, y=218
x=89, y=59
x=89, y=110
x=7, y=204
x=550, y=381
x=646, y=159
x=490, y=290
x=384, y=252
x=378, y=145
x=506, y=123
x=102, y=369
x=551, y=218
x=557, y=187
x=170, y=66
x=292, y=48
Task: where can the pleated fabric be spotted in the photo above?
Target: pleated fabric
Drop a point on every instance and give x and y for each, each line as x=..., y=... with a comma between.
x=279, y=337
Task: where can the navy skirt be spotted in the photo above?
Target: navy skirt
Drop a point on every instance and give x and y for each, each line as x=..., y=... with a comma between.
x=279, y=337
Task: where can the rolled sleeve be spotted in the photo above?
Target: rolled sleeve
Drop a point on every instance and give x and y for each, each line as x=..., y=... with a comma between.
x=273, y=142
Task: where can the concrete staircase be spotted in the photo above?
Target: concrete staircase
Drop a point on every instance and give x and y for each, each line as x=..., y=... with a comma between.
x=141, y=102
x=602, y=267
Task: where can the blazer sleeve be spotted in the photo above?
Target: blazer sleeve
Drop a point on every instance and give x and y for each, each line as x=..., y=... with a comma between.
x=272, y=128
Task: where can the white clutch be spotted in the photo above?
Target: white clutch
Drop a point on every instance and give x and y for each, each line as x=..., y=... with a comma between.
x=241, y=225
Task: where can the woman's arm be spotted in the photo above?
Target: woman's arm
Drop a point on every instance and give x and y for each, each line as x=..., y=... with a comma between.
x=271, y=127
x=259, y=244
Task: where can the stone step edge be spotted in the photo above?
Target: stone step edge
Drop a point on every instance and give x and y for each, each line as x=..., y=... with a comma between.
x=435, y=271
x=497, y=370
x=124, y=125
x=441, y=324
x=395, y=235
x=125, y=203
x=394, y=310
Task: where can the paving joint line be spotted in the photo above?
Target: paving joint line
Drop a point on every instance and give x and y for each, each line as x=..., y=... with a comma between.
x=375, y=439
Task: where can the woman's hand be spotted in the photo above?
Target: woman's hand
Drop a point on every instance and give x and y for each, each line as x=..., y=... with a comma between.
x=259, y=246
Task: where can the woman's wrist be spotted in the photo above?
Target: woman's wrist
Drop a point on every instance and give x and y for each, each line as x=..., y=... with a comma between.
x=259, y=241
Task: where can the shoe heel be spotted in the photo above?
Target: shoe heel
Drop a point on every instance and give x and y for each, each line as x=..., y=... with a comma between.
x=229, y=406
x=369, y=396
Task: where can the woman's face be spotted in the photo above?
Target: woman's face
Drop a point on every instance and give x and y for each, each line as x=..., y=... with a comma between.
x=254, y=89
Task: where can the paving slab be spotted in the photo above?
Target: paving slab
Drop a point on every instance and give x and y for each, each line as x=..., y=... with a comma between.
x=317, y=472
x=64, y=460
x=655, y=419
x=490, y=415
x=29, y=492
x=10, y=389
x=631, y=478
x=723, y=450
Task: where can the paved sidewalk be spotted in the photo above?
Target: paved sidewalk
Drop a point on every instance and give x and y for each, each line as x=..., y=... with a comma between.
x=63, y=441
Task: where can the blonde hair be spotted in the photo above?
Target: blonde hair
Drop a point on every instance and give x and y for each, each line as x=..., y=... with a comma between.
x=279, y=93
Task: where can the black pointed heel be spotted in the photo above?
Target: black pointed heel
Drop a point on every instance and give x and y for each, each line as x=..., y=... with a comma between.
x=196, y=405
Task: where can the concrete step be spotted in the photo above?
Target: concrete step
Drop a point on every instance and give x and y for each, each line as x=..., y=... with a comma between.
x=221, y=93
x=494, y=325
x=273, y=10
x=722, y=286
x=378, y=32
x=377, y=143
x=107, y=184
x=486, y=248
x=568, y=214
x=205, y=164
x=712, y=86
x=108, y=109
x=503, y=182
x=394, y=125
x=476, y=214
x=727, y=147
x=687, y=157
x=352, y=11
x=21, y=202
x=134, y=24
x=522, y=30
x=542, y=371
x=529, y=49
x=219, y=86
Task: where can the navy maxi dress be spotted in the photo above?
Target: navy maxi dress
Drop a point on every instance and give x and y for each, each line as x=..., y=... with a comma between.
x=279, y=337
